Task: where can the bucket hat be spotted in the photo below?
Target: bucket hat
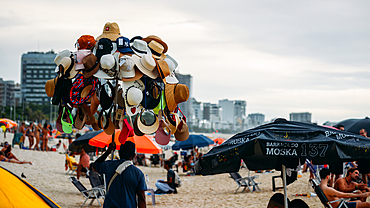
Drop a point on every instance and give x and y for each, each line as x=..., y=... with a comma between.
x=110, y=31
x=123, y=45
x=146, y=65
x=133, y=94
x=140, y=47
x=156, y=49
x=82, y=89
x=104, y=46
x=144, y=126
x=80, y=55
x=109, y=66
x=157, y=39
x=91, y=65
x=85, y=42
x=175, y=94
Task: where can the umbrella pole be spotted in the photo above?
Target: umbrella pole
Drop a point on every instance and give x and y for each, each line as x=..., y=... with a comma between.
x=283, y=169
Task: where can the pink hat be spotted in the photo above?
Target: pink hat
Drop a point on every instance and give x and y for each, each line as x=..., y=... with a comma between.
x=80, y=55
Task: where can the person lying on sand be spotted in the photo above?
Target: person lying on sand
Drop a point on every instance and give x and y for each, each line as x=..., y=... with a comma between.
x=4, y=159
x=8, y=154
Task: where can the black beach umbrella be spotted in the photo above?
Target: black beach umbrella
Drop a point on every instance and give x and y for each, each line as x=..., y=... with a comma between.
x=355, y=125
x=83, y=142
x=283, y=144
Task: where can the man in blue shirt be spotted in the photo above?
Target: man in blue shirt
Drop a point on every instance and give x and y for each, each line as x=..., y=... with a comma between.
x=128, y=188
x=168, y=186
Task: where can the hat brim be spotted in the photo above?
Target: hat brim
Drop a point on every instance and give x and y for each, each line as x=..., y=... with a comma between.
x=171, y=126
x=183, y=133
x=110, y=36
x=138, y=75
x=140, y=54
x=147, y=129
x=132, y=110
x=50, y=87
x=152, y=74
x=171, y=79
x=148, y=39
x=170, y=96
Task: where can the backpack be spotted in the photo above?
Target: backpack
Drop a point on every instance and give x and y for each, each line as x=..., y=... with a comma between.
x=177, y=181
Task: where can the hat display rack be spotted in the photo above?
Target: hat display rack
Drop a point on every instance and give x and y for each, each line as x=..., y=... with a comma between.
x=112, y=82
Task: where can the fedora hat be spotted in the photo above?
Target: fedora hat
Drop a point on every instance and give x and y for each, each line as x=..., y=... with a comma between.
x=85, y=42
x=172, y=66
x=59, y=56
x=162, y=68
x=140, y=47
x=159, y=40
x=104, y=46
x=175, y=94
x=126, y=67
x=80, y=55
x=109, y=67
x=67, y=68
x=156, y=49
x=50, y=86
x=91, y=65
x=82, y=89
x=110, y=31
x=133, y=94
x=123, y=45
x=143, y=124
x=146, y=64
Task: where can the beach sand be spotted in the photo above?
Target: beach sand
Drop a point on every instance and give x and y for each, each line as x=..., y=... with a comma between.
x=48, y=174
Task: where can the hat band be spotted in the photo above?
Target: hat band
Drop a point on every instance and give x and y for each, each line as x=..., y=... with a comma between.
x=145, y=66
x=140, y=51
x=112, y=71
x=67, y=72
x=93, y=67
x=155, y=52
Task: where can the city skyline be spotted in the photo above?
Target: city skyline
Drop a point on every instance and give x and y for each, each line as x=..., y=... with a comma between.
x=280, y=57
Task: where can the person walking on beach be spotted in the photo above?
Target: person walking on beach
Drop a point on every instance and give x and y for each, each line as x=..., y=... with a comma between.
x=347, y=184
x=38, y=135
x=126, y=189
x=45, y=138
x=333, y=194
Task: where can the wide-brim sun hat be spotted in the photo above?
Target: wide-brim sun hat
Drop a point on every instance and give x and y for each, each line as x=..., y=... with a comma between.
x=162, y=68
x=110, y=31
x=175, y=94
x=58, y=58
x=158, y=39
x=50, y=87
x=146, y=64
x=172, y=66
x=67, y=68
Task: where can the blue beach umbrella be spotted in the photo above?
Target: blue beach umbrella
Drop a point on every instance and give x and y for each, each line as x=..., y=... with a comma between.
x=192, y=142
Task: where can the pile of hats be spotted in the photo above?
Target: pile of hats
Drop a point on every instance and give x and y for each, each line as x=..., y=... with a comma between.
x=113, y=82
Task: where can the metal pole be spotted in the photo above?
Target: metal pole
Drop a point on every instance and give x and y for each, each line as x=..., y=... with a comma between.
x=284, y=184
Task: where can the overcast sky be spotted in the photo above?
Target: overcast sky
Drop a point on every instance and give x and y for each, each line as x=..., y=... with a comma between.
x=280, y=56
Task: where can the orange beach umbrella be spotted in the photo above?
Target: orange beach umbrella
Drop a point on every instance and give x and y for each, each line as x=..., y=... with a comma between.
x=219, y=140
x=145, y=144
x=103, y=140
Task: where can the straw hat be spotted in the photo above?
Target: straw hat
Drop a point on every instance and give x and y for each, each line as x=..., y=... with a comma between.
x=110, y=31
x=175, y=94
x=182, y=132
x=146, y=64
x=163, y=69
x=91, y=65
x=138, y=75
x=50, y=86
x=60, y=55
x=144, y=126
x=159, y=40
x=67, y=67
x=173, y=122
x=156, y=49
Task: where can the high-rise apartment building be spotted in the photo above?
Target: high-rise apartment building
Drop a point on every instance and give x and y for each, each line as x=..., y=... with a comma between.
x=304, y=117
x=186, y=107
x=197, y=110
x=255, y=119
x=7, y=93
x=36, y=69
x=228, y=110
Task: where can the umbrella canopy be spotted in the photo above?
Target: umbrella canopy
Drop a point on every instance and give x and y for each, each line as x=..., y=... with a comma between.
x=16, y=192
x=10, y=122
x=3, y=126
x=219, y=140
x=194, y=140
x=83, y=142
x=85, y=138
x=103, y=140
x=355, y=125
x=284, y=142
x=145, y=144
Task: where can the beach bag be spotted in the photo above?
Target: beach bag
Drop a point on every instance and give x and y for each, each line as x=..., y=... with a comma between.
x=177, y=181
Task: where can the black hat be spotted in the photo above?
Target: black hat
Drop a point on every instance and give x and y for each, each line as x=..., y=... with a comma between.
x=104, y=46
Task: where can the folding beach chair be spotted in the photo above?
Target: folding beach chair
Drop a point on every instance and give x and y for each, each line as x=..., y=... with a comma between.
x=324, y=200
x=70, y=165
x=313, y=169
x=97, y=182
x=245, y=182
x=88, y=194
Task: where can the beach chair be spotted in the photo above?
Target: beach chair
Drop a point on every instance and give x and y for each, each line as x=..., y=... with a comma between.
x=245, y=182
x=274, y=188
x=154, y=159
x=18, y=139
x=312, y=169
x=97, y=182
x=92, y=193
x=71, y=167
x=324, y=200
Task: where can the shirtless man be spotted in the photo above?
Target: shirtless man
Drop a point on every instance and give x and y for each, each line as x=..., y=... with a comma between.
x=333, y=194
x=348, y=185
